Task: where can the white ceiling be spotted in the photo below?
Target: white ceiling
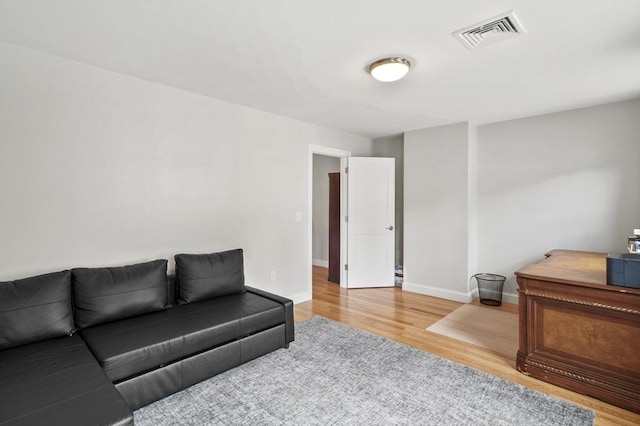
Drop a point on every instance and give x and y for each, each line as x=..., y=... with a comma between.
x=308, y=59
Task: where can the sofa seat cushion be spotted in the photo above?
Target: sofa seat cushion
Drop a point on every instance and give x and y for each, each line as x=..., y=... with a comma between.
x=133, y=346
x=57, y=381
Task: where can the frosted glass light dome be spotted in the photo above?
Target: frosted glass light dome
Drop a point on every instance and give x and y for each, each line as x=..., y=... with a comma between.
x=389, y=69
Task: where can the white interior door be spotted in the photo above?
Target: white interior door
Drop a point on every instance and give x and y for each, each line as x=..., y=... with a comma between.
x=371, y=220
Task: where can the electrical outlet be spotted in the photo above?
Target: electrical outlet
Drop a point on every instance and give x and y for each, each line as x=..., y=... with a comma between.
x=273, y=275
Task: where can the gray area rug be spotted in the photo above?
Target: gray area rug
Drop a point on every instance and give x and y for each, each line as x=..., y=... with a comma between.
x=337, y=375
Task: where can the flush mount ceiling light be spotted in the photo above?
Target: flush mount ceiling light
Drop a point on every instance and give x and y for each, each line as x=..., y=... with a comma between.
x=389, y=69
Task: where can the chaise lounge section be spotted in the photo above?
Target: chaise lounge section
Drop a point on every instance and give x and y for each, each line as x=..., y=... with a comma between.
x=57, y=382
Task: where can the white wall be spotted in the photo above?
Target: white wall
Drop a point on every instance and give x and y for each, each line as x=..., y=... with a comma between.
x=567, y=180
x=101, y=169
x=498, y=197
x=436, y=211
x=322, y=166
x=393, y=147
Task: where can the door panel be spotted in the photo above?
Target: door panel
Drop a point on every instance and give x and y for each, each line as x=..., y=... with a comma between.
x=371, y=211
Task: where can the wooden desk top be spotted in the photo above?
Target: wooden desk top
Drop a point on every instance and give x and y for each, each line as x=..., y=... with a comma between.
x=580, y=268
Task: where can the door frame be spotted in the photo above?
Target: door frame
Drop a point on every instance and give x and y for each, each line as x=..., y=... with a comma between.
x=343, y=155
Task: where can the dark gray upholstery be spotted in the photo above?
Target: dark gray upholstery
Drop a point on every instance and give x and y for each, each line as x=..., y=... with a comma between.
x=57, y=382
x=288, y=310
x=108, y=294
x=35, y=308
x=132, y=347
x=127, y=348
x=203, y=276
x=148, y=387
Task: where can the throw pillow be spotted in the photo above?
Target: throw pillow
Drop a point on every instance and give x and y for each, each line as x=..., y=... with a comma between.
x=204, y=276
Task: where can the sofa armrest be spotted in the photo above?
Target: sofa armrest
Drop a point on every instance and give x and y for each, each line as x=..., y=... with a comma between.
x=288, y=310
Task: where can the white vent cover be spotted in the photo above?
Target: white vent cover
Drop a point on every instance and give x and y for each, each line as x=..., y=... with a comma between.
x=499, y=28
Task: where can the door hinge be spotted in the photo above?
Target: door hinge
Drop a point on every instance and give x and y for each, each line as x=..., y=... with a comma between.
x=346, y=218
x=346, y=267
x=346, y=170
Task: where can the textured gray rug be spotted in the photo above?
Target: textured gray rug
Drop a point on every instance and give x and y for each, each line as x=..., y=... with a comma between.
x=337, y=375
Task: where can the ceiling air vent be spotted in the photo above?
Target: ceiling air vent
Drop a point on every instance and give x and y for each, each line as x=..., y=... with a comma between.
x=499, y=28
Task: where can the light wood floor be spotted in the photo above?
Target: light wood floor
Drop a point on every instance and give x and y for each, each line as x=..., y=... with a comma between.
x=404, y=316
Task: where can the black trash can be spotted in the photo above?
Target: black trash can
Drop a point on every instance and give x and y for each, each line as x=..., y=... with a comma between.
x=490, y=288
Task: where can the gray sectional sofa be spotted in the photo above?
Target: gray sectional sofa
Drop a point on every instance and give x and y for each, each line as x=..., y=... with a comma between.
x=90, y=345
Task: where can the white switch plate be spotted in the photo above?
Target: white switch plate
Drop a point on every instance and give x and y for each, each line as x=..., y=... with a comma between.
x=298, y=217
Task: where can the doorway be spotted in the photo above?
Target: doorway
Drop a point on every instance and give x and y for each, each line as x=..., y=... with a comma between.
x=326, y=215
x=325, y=158
x=366, y=246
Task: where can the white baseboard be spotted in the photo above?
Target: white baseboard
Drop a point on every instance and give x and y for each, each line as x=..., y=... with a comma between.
x=474, y=294
x=442, y=293
x=318, y=262
x=510, y=298
x=305, y=296
x=457, y=296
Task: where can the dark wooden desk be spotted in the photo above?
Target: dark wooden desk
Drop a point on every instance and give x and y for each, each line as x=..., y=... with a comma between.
x=576, y=331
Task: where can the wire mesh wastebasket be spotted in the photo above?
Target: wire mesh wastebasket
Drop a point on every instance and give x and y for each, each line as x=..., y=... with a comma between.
x=490, y=288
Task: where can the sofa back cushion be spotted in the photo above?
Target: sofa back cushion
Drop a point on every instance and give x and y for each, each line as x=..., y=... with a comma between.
x=36, y=308
x=107, y=294
x=204, y=276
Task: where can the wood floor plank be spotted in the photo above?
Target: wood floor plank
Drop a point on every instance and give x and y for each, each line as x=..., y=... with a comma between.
x=404, y=316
